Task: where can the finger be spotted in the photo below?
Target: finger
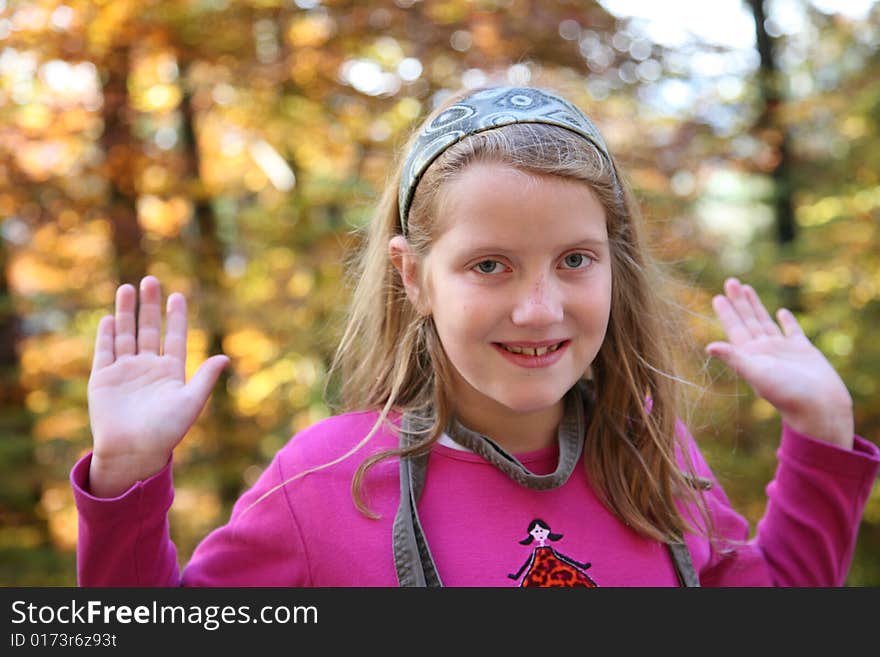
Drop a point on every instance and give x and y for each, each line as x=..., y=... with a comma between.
x=736, y=294
x=206, y=376
x=731, y=322
x=789, y=323
x=768, y=326
x=104, y=344
x=124, y=338
x=149, y=324
x=175, y=330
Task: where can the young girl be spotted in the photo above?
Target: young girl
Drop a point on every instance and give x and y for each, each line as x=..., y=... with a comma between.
x=506, y=369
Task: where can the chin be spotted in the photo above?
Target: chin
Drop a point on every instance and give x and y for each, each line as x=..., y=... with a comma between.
x=528, y=401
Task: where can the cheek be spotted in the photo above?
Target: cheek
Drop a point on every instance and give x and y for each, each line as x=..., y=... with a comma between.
x=593, y=308
x=460, y=316
x=454, y=301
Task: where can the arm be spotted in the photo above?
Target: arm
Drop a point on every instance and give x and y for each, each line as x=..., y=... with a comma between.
x=259, y=546
x=809, y=529
x=140, y=408
x=825, y=473
x=522, y=568
x=134, y=523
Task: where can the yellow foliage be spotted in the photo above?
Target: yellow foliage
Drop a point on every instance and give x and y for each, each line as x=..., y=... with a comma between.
x=789, y=273
x=154, y=178
x=163, y=218
x=41, y=160
x=57, y=504
x=28, y=274
x=279, y=258
x=252, y=393
x=305, y=65
x=190, y=502
x=67, y=424
x=196, y=346
x=310, y=31
x=37, y=401
x=854, y=127
x=250, y=348
x=408, y=109
x=20, y=537
x=826, y=280
x=832, y=207
x=33, y=118
x=762, y=409
x=255, y=180
x=300, y=284
x=446, y=12
x=872, y=509
x=55, y=355
x=835, y=342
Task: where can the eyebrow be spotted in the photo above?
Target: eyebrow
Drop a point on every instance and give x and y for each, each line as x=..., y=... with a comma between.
x=594, y=242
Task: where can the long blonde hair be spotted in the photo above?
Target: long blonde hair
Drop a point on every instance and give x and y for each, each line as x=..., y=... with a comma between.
x=390, y=358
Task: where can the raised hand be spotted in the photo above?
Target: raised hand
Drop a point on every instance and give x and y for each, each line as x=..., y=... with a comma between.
x=140, y=405
x=782, y=365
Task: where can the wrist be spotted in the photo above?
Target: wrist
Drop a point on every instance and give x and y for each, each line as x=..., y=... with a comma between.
x=111, y=476
x=836, y=427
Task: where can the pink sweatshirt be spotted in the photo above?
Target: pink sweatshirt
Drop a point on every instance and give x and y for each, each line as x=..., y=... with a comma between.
x=309, y=533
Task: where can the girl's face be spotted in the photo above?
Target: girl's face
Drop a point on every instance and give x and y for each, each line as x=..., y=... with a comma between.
x=519, y=286
x=540, y=533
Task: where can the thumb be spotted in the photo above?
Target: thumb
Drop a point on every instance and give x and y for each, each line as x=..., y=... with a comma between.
x=724, y=351
x=205, y=377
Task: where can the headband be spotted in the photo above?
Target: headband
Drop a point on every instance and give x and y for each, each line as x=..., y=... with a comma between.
x=484, y=110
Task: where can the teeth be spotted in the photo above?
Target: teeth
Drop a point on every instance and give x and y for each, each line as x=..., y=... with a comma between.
x=526, y=351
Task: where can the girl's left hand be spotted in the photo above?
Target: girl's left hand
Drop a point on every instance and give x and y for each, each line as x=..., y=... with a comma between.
x=782, y=366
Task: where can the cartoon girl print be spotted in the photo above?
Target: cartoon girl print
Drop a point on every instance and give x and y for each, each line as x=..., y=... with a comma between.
x=546, y=567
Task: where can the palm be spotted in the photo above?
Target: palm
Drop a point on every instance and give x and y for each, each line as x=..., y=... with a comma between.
x=141, y=398
x=786, y=371
x=782, y=365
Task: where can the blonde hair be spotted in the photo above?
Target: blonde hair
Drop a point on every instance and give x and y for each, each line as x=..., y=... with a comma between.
x=390, y=358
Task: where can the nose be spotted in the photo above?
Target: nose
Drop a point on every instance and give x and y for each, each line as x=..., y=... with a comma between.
x=539, y=304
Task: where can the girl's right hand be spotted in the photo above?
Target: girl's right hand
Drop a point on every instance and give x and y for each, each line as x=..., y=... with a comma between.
x=140, y=405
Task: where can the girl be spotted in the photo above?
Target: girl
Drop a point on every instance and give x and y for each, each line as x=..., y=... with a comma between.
x=506, y=363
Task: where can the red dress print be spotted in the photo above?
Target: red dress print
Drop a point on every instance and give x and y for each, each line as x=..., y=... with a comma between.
x=548, y=568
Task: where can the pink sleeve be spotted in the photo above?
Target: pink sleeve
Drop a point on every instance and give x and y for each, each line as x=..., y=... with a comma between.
x=125, y=541
x=814, y=509
x=808, y=532
x=261, y=545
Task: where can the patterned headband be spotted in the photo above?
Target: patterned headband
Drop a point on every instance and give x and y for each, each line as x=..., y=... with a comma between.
x=484, y=110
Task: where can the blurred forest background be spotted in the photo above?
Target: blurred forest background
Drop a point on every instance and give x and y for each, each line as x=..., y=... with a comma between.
x=230, y=147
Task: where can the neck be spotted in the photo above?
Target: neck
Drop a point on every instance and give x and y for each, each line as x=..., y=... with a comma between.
x=517, y=433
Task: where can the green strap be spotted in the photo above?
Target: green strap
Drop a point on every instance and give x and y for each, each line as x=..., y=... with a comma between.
x=684, y=565
x=412, y=556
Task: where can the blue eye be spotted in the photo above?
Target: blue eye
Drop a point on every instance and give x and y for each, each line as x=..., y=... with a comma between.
x=488, y=266
x=576, y=260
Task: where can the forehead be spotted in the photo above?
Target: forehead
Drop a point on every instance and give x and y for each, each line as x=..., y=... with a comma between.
x=495, y=201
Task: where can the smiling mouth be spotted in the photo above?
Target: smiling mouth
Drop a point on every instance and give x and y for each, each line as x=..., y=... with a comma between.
x=531, y=351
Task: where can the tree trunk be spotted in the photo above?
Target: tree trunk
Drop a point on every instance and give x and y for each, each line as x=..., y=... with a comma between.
x=21, y=485
x=771, y=124
x=208, y=271
x=119, y=153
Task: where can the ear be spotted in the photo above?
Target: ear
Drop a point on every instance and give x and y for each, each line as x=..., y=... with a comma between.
x=408, y=265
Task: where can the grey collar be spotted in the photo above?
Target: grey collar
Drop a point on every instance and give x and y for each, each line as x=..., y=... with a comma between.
x=412, y=556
